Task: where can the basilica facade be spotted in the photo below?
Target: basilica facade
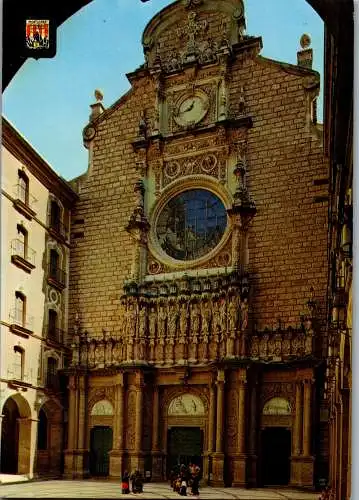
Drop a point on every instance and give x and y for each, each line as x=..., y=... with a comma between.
x=198, y=273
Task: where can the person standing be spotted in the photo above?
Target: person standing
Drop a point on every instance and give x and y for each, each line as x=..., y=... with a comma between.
x=126, y=483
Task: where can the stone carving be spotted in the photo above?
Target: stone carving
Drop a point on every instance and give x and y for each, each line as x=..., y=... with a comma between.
x=277, y=406
x=208, y=164
x=101, y=408
x=186, y=405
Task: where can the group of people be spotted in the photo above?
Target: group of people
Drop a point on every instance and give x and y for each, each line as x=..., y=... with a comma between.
x=135, y=480
x=186, y=480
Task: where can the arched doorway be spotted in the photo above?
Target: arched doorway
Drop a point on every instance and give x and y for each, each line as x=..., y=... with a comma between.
x=186, y=418
x=15, y=436
x=49, y=439
x=101, y=438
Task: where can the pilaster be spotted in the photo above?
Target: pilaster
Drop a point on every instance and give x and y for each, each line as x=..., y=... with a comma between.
x=116, y=454
x=218, y=457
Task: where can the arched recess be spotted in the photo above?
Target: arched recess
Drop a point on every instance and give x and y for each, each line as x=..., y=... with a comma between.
x=185, y=417
x=16, y=436
x=49, y=439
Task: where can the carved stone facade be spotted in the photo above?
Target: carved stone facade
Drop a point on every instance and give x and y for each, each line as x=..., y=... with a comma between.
x=200, y=303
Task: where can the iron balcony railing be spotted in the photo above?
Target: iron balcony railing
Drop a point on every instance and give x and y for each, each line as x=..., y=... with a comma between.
x=22, y=193
x=52, y=381
x=57, y=274
x=20, y=249
x=18, y=318
x=58, y=227
x=55, y=334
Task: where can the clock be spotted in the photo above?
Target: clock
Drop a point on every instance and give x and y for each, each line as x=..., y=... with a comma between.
x=191, y=109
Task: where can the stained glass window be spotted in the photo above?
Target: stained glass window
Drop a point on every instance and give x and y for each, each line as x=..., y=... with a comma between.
x=191, y=224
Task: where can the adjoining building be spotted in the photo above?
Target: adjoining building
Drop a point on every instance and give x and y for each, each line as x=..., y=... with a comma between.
x=198, y=278
x=35, y=224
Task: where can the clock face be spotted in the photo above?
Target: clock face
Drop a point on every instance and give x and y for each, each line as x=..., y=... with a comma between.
x=191, y=109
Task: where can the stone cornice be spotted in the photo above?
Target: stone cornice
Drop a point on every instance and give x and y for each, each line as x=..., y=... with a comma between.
x=23, y=151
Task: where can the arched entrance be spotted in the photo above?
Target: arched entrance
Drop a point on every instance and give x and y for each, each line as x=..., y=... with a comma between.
x=276, y=442
x=185, y=431
x=15, y=436
x=101, y=438
x=49, y=439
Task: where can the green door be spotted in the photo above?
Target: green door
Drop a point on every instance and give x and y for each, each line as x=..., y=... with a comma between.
x=185, y=446
x=101, y=445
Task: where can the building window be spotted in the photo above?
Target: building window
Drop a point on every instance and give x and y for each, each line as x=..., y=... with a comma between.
x=19, y=359
x=42, y=431
x=20, y=309
x=51, y=373
x=52, y=325
x=22, y=241
x=54, y=263
x=23, y=187
x=55, y=216
x=191, y=224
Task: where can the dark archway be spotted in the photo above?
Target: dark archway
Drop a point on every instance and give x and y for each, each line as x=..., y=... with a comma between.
x=338, y=17
x=185, y=446
x=275, y=451
x=10, y=438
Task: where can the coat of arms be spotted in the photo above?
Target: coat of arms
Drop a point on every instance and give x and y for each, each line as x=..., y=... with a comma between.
x=37, y=34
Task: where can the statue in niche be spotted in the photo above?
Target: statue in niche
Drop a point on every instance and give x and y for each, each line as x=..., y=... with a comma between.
x=195, y=319
x=172, y=322
x=108, y=352
x=223, y=101
x=174, y=63
x=142, y=322
x=91, y=358
x=131, y=320
x=116, y=352
x=152, y=323
x=206, y=317
x=223, y=317
x=162, y=316
x=233, y=315
x=183, y=323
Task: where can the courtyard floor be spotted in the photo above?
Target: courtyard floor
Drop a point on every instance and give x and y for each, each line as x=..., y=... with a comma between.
x=103, y=489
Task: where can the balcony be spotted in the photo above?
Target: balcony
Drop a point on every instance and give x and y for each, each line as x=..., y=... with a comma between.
x=56, y=277
x=18, y=379
x=57, y=229
x=55, y=335
x=24, y=202
x=52, y=382
x=279, y=346
x=22, y=255
x=20, y=324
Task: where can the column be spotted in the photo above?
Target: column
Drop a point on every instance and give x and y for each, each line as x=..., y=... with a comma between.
x=218, y=456
x=138, y=461
x=252, y=450
x=81, y=446
x=220, y=416
x=307, y=398
x=241, y=417
x=156, y=453
x=212, y=416
x=116, y=454
x=239, y=458
x=155, y=420
x=298, y=419
x=72, y=429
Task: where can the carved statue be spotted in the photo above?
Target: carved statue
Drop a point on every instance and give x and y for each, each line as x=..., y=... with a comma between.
x=183, y=322
x=152, y=323
x=91, y=354
x=233, y=315
x=206, y=317
x=108, y=352
x=223, y=317
x=131, y=317
x=195, y=319
x=142, y=322
x=172, y=322
x=162, y=316
x=223, y=101
x=142, y=126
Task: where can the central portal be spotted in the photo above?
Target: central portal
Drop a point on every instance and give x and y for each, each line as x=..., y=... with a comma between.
x=185, y=446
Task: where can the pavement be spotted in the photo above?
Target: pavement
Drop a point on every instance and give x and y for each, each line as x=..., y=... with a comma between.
x=107, y=489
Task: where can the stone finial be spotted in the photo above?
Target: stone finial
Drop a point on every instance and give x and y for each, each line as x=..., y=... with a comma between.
x=97, y=108
x=305, y=56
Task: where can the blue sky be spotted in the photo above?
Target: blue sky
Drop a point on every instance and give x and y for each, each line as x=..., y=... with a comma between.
x=48, y=100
